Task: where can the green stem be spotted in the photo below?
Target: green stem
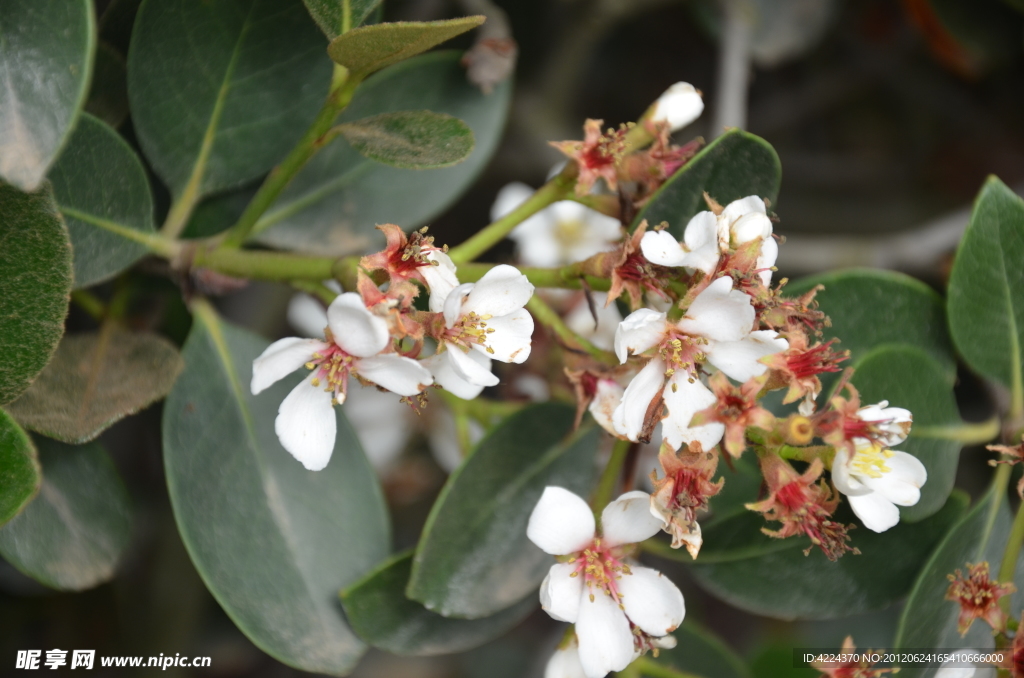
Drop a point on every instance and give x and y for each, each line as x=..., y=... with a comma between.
x=266, y=265
x=545, y=315
x=968, y=434
x=342, y=89
x=649, y=667
x=89, y=303
x=606, y=485
x=316, y=289
x=999, y=483
x=824, y=452
x=566, y=277
x=553, y=191
x=1012, y=553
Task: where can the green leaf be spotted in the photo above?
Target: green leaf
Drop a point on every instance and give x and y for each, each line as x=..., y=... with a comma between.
x=96, y=379
x=46, y=54
x=368, y=49
x=102, y=190
x=380, y=614
x=330, y=14
x=20, y=475
x=908, y=377
x=701, y=653
x=411, y=139
x=333, y=203
x=474, y=558
x=220, y=91
x=928, y=619
x=34, y=288
x=73, y=534
x=273, y=542
x=986, y=289
x=108, y=96
x=733, y=166
x=773, y=577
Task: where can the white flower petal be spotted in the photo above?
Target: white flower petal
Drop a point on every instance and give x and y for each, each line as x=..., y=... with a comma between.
x=751, y=226
x=901, y=484
x=565, y=663
x=631, y=413
x=280, y=359
x=606, y=641
x=892, y=422
x=510, y=340
x=701, y=231
x=356, y=330
x=628, y=520
x=510, y=197
x=751, y=204
x=560, y=592
x=682, y=402
x=876, y=512
x=606, y=399
x=453, y=303
x=680, y=105
x=382, y=423
x=396, y=373
x=769, y=254
x=501, y=290
x=602, y=227
x=306, y=425
x=719, y=312
x=846, y=482
x=307, y=315
x=445, y=376
x=474, y=366
x=652, y=601
x=641, y=330
x=441, y=279
x=561, y=522
x=740, y=359
x=659, y=247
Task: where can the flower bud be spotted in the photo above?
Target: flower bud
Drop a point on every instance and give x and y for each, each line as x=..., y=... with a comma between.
x=680, y=105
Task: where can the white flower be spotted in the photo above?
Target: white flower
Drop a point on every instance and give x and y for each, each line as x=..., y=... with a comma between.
x=707, y=237
x=580, y=321
x=305, y=421
x=876, y=480
x=596, y=589
x=565, y=663
x=483, y=320
x=890, y=425
x=680, y=105
x=440, y=278
x=563, y=233
x=716, y=328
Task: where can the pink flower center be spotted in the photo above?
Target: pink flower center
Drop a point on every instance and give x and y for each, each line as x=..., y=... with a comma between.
x=601, y=567
x=470, y=329
x=682, y=352
x=331, y=367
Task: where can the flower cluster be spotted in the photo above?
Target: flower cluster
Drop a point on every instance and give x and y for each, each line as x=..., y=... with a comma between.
x=376, y=336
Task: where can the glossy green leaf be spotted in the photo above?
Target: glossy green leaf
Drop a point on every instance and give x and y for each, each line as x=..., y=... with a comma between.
x=35, y=284
x=701, y=653
x=869, y=308
x=380, y=614
x=102, y=190
x=108, y=95
x=910, y=378
x=929, y=620
x=986, y=288
x=73, y=534
x=733, y=166
x=411, y=139
x=273, y=542
x=773, y=577
x=330, y=14
x=46, y=54
x=96, y=379
x=333, y=204
x=368, y=49
x=20, y=475
x=220, y=91
x=474, y=558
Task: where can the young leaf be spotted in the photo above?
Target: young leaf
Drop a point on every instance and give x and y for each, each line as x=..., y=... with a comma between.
x=46, y=54
x=733, y=166
x=220, y=91
x=929, y=620
x=333, y=203
x=701, y=653
x=368, y=49
x=330, y=14
x=273, y=542
x=36, y=262
x=773, y=577
x=411, y=139
x=381, y=615
x=20, y=476
x=474, y=558
x=75, y=531
x=909, y=378
x=108, y=95
x=102, y=190
x=96, y=379
x=986, y=289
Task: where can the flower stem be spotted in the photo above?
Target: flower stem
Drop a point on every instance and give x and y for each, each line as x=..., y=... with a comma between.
x=606, y=485
x=315, y=289
x=567, y=277
x=267, y=265
x=966, y=433
x=342, y=89
x=649, y=667
x=553, y=191
x=545, y=315
x=1012, y=553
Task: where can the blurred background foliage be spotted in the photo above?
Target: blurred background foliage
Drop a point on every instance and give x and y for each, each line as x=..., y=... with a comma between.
x=887, y=116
